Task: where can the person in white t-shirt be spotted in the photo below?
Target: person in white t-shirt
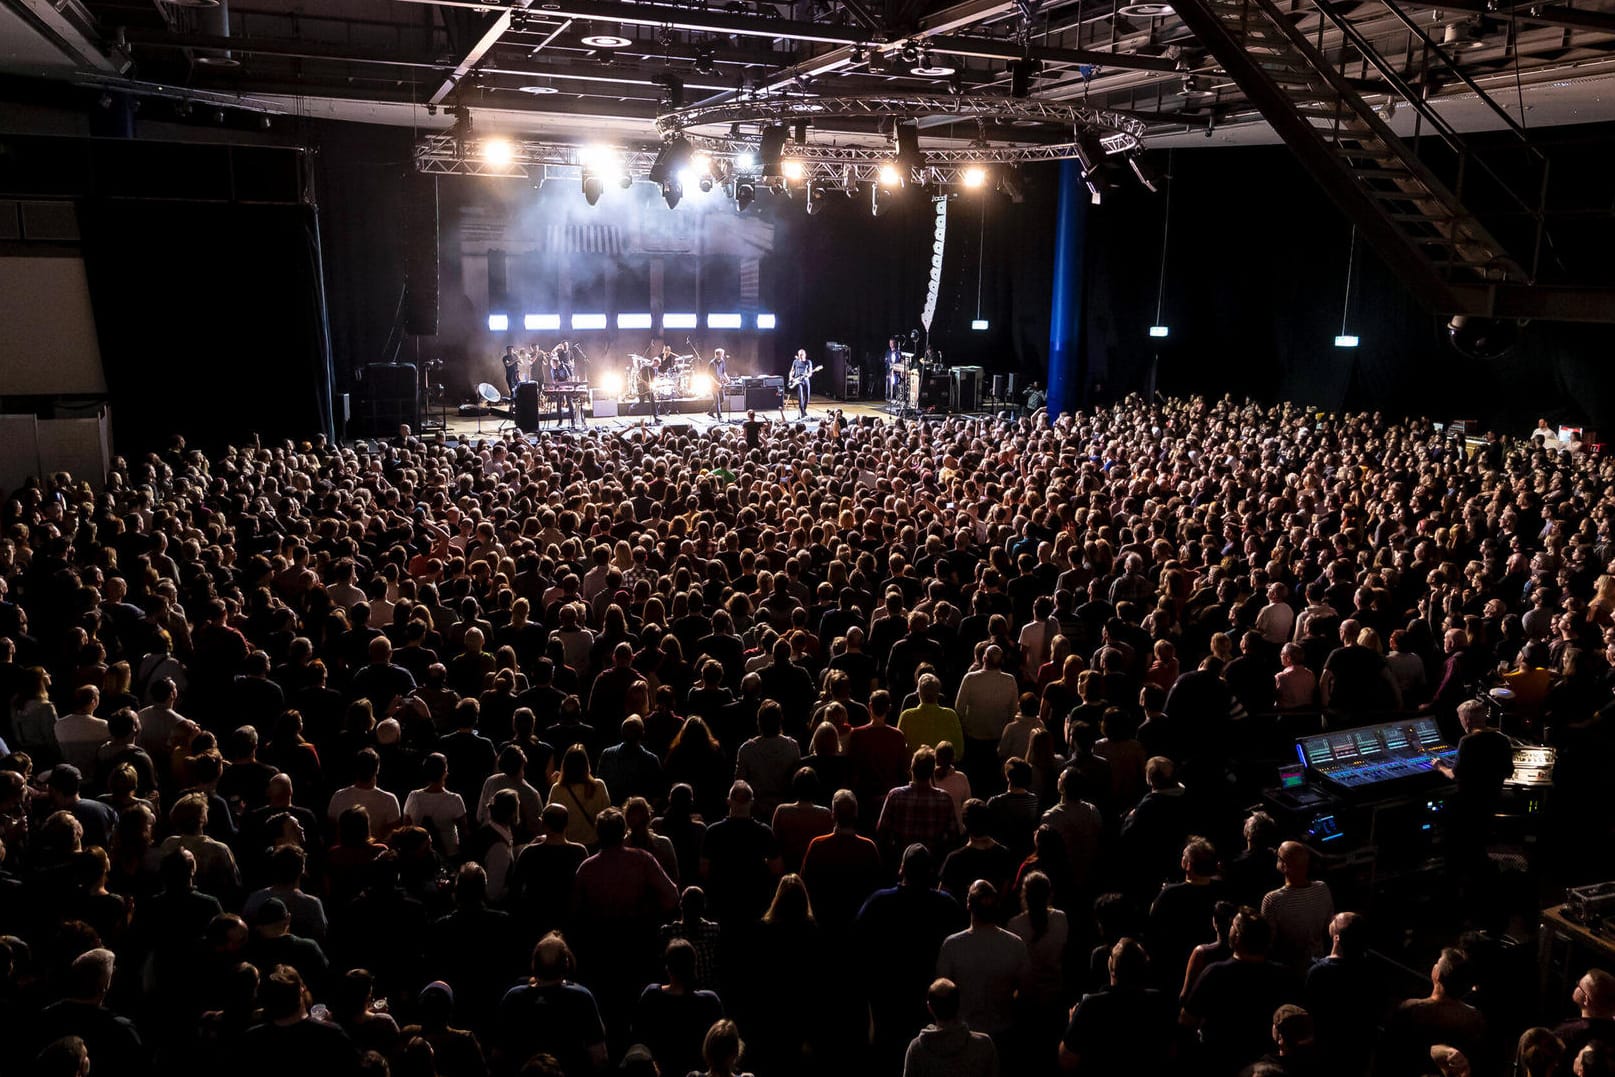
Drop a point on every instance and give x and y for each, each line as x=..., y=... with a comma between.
x=434, y=807
x=382, y=805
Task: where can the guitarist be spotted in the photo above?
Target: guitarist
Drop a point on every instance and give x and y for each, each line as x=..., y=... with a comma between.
x=802, y=381
x=718, y=367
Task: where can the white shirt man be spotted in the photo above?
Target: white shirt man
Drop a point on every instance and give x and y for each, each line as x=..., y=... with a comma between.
x=987, y=699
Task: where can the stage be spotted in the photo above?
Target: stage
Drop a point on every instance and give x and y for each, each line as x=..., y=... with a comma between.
x=464, y=428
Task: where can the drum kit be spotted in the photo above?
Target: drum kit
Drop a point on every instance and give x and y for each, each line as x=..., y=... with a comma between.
x=669, y=379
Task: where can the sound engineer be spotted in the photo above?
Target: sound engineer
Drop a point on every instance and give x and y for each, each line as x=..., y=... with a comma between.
x=1485, y=761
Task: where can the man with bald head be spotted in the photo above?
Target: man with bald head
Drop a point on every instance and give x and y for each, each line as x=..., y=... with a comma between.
x=1300, y=910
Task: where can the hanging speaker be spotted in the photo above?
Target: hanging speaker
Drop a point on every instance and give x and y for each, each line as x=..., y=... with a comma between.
x=420, y=256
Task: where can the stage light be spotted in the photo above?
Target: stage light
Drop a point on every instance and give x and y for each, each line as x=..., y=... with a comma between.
x=700, y=162
x=1147, y=175
x=1009, y=182
x=704, y=184
x=979, y=325
x=598, y=157
x=1346, y=340
x=813, y=199
x=538, y=323
x=877, y=199
x=634, y=321
x=793, y=170
x=907, y=136
x=766, y=321
x=745, y=161
x=588, y=321
x=611, y=383
x=744, y=193
x=769, y=149
x=679, y=321
x=592, y=188
x=890, y=176
x=671, y=193
x=498, y=323
x=625, y=180
x=723, y=321
x=606, y=41
x=1158, y=331
x=974, y=176
x=672, y=158
x=701, y=385
x=499, y=152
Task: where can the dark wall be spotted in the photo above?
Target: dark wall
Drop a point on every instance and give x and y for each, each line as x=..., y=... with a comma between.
x=1256, y=283
x=209, y=319
x=857, y=278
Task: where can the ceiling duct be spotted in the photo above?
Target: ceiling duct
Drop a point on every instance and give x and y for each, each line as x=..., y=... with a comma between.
x=214, y=21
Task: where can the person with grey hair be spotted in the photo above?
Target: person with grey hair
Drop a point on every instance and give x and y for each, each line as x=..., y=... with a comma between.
x=1484, y=762
x=110, y=1039
x=929, y=723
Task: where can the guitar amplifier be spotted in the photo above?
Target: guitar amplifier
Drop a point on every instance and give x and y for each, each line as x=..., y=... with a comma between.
x=765, y=394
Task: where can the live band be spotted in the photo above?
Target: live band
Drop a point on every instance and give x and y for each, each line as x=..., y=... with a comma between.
x=653, y=379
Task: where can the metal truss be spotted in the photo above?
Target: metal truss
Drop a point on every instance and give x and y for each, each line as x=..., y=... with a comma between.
x=1119, y=133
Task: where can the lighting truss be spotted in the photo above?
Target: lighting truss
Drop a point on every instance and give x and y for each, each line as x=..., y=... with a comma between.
x=842, y=167
x=1117, y=132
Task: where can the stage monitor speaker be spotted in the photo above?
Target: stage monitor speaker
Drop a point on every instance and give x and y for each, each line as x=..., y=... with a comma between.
x=526, y=407
x=836, y=359
x=420, y=256
x=391, y=397
x=602, y=405
x=681, y=429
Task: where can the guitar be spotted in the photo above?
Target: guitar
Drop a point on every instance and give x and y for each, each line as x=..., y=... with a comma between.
x=794, y=382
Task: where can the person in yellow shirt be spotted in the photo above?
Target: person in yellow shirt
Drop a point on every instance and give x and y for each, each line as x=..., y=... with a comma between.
x=930, y=722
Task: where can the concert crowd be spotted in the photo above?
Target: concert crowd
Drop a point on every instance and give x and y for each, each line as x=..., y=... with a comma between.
x=859, y=748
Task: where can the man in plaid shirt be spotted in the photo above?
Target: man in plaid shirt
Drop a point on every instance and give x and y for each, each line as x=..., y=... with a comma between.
x=918, y=812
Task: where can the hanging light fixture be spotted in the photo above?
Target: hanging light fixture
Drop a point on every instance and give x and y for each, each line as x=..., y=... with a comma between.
x=1345, y=339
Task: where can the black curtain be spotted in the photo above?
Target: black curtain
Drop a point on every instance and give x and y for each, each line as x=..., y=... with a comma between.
x=211, y=319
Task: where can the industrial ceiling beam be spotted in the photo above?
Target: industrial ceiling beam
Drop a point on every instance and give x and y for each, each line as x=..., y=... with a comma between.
x=70, y=26
x=480, y=48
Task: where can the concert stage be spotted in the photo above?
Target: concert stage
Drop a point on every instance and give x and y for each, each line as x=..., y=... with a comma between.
x=464, y=428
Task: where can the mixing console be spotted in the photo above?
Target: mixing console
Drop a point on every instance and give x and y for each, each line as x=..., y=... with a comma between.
x=1354, y=758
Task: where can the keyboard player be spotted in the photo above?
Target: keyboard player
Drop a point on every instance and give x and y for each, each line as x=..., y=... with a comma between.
x=562, y=370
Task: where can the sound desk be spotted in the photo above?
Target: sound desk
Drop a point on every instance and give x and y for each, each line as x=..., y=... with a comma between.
x=1378, y=760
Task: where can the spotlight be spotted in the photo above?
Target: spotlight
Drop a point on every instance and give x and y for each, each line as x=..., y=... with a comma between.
x=705, y=182
x=908, y=145
x=878, y=198
x=672, y=191
x=499, y=152
x=701, y=385
x=703, y=61
x=793, y=170
x=974, y=176
x=909, y=54
x=1009, y=182
x=611, y=383
x=626, y=179
x=890, y=176
x=745, y=161
x=592, y=188
x=768, y=151
x=814, y=197
x=674, y=155
x=1482, y=338
x=859, y=54
x=1090, y=152
x=1147, y=175
x=744, y=193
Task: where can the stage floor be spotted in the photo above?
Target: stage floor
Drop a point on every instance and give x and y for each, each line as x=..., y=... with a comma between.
x=463, y=429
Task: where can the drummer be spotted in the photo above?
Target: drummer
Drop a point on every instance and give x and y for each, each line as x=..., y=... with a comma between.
x=667, y=362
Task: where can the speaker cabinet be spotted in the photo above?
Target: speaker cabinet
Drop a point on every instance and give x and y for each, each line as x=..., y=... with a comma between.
x=526, y=408
x=420, y=257
x=389, y=398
